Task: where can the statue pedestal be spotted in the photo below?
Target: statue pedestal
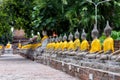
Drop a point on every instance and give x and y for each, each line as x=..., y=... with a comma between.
x=8, y=51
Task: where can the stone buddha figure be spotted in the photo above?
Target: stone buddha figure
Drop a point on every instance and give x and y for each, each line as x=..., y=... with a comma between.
x=95, y=45
x=70, y=43
x=8, y=48
x=84, y=44
x=1, y=46
x=19, y=45
x=56, y=44
x=60, y=44
x=44, y=42
x=64, y=44
x=77, y=41
x=108, y=44
x=49, y=45
x=1, y=50
x=52, y=45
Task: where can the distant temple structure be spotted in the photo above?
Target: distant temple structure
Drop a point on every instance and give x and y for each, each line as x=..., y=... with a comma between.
x=18, y=35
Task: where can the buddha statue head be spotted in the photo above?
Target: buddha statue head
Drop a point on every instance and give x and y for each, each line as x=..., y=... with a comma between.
x=50, y=39
x=77, y=34
x=70, y=37
x=44, y=33
x=107, y=29
x=65, y=37
x=83, y=35
x=60, y=38
x=57, y=39
x=95, y=32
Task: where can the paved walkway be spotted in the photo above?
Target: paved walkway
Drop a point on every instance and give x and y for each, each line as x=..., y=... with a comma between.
x=15, y=67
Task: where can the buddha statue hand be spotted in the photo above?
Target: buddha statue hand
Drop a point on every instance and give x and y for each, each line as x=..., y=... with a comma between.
x=118, y=59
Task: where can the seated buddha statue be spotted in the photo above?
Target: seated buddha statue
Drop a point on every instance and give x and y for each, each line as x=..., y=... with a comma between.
x=8, y=48
x=1, y=47
x=31, y=44
x=95, y=45
x=70, y=43
x=71, y=47
x=48, y=47
x=44, y=42
x=77, y=41
x=52, y=45
x=84, y=44
x=60, y=45
x=64, y=44
x=19, y=45
x=108, y=44
x=56, y=44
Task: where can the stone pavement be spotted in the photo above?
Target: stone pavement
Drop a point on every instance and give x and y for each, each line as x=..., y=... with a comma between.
x=15, y=67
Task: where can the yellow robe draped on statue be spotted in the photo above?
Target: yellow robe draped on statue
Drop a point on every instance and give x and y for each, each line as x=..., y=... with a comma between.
x=28, y=46
x=60, y=45
x=76, y=44
x=108, y=44
x=1, y=47
x=19, y=45
x=95, y=46
x=57, y=46
x=64, y=45
x=35, y=45
x=45, y=37
x=48, y=46
x=53, y=45
x=84, y=45
x=70, y=45
x=8, y=46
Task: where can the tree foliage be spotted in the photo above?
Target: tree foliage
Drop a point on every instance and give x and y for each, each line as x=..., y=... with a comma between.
x=61, y=16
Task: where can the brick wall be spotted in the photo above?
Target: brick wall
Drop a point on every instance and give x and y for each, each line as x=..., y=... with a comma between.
x=80, y=72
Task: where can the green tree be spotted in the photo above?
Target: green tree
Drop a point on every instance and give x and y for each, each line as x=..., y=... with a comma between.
x=61, y=16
